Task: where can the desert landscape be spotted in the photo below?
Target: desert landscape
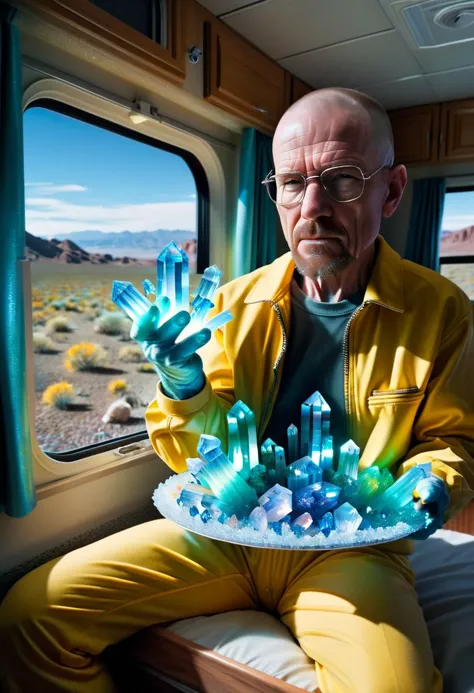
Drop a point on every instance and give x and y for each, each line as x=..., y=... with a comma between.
x=455, y=244
x=84, y=358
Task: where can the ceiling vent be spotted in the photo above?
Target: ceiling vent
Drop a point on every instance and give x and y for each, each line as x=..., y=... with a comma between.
x=437, y=22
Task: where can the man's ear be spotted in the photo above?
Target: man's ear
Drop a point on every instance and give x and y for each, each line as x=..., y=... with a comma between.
x=396, y=186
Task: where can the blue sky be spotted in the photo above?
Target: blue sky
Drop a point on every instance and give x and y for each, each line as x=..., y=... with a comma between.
x=458, y=211
x=79, y=176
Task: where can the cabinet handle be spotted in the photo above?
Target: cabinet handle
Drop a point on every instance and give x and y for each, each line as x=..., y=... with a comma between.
x=261, y=109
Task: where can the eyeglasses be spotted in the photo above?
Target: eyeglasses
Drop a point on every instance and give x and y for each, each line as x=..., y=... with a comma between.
x=342, y=184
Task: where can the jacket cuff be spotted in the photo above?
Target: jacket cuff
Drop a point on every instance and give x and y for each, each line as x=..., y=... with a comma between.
x=183, y=407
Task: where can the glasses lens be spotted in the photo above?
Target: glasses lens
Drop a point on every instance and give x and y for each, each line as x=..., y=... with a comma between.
x=343, y=183
x=288, y=189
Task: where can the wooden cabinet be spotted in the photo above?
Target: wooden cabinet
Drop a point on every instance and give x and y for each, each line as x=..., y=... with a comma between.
x=240, y=79
x=83, y=19
x=457, y=130
x=299, y=89
x=416, y=134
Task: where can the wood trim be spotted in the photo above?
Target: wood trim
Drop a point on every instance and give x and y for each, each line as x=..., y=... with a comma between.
x=463, y=521
x=198, y=667
x=98, y=27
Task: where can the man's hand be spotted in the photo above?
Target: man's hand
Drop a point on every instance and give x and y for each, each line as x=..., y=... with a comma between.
x=433, y=497
x=179, y=367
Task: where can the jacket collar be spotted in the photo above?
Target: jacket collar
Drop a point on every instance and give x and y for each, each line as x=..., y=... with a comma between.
x=385, y=285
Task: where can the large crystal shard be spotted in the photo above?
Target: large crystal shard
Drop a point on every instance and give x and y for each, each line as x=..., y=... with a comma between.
x=131, y=301
x=303, y=472
x=208, y=285
x=280, y=464
x=173, y=277
x=346, y=518
x=293, y=449
x=316, y=499
x=315, y=412
x=277, y=502
x=348, y=460
x=237, y=497
x=401, y=492
x=195, y=494
x=242, y=435
x=371, y=482
x=258, y=519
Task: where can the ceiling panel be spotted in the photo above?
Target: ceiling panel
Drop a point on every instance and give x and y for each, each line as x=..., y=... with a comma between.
x=285, y=27
x=409, y=91
x=377, y=58
x=453, y=84
x=445, y=57
x=218, y=7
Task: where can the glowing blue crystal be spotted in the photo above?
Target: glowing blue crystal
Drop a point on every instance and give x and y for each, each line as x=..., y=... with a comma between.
x=219, y=320
x=206, y=515
x=348, y=459
x=326, y=524
x=280, y=464
x=327, y=453
x=194, y=464
x=304, y=521
x=242, y=437
x=200, y=310
x=401, y=492
x=258, y=519
x=268, y=453
x=148, y=287
x=208, y=285
x=235, y=495
x=131, y=301
x=371, y=482
x=303, y=472
x=346, y=518
x=195, y=494
x=277, y=502
x=173, y=277
x=316, y=499
x=315, y=413
x=293, y=448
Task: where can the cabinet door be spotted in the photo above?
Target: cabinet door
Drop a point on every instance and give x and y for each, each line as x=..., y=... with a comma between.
x=416, y=134
x=299, y=89
x=240, y=79
x=103, y=29
x=457, y=130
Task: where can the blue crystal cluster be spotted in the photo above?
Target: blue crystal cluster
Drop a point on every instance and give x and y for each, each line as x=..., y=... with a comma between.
x=171, y=293
x=299, y=489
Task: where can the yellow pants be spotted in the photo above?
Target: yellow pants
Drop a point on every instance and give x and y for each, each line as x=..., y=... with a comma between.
x=354, y=612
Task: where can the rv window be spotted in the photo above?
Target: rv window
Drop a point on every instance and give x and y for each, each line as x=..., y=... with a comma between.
x=457, y=239
x=100, y=204
x=149, y=17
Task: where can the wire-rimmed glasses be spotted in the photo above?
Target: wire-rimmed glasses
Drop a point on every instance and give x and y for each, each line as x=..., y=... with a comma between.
x=343, y=183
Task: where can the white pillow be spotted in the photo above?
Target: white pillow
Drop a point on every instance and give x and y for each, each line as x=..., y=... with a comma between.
x=254, y=638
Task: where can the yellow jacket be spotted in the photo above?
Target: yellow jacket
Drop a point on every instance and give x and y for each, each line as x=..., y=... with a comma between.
x=408, y=371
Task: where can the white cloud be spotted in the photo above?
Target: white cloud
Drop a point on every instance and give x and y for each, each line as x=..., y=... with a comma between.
x=48, y=216
x=455, y=222
x=50, y=189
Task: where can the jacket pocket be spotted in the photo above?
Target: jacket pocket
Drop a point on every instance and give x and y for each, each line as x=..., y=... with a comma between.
x=408, y=395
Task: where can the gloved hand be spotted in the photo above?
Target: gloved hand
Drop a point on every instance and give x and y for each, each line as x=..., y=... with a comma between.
x=433, y=497
x=179, y=367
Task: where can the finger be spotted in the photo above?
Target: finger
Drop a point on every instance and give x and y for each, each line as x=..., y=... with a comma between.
x=170, y=330
x=147, y=324
x=188, y=346
x=163, y=303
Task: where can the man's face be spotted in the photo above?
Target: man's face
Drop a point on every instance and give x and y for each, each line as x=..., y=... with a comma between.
x=325, y=236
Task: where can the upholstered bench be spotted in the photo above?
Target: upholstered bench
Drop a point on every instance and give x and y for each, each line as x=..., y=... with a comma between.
x=250, y=651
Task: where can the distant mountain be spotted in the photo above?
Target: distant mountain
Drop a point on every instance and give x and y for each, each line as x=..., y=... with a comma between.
x=141, y=240
x=68, y=252
x=457, y=242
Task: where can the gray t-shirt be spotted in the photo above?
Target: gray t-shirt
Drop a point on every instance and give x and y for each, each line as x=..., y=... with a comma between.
x=313, y=361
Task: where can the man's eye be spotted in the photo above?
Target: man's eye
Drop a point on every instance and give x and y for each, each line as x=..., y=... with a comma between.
x=292, y=182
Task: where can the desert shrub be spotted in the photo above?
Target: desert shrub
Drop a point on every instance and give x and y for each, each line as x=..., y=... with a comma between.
x=112, y=323
x=131, y=354
x=116, y=387
x=38, y=317
x=37, y=305
x=42, y=344
x=59, y=395
x=146, y=368
x=58, y=304
x=85, y=357
x=72, y=306
x=60, y=323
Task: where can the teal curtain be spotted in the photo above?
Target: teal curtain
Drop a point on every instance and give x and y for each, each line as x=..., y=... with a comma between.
x=425, y=222
x=254, y=243
x=17, y=493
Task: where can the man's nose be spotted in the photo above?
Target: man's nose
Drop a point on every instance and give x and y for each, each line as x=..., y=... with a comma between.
x=316, y=202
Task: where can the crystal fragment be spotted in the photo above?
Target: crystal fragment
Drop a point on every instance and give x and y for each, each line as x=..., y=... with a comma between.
x=131, y=301
x=292, y=436
x=258, y=519
x=173, y=277
x=219, y=320
x=326, y=524
x=206, y=515
x=371, y=482
x=303, y=472
x=148, y=287
x=316, y=499
x=208, y=285
x=242, y=436
x=277, y=502
x=401, y=492
x=236, y=496
x=348, y=459
x=327, y=453
x=195, y=494
x=346, y=518
x=193, y=511
x=314, y=412
x=304, y=521
x=268, y=453
x=200, y=310
x=194, y=464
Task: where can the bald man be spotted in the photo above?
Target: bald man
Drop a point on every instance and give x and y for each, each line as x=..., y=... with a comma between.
x=390, y=346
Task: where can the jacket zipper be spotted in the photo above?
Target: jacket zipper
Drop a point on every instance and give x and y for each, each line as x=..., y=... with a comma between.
x=403, y=391
x=276, y=308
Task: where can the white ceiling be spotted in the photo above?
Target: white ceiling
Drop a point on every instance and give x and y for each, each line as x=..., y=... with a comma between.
x=363, y=44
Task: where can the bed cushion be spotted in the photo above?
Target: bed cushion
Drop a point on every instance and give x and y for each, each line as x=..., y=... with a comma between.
x=444, y=569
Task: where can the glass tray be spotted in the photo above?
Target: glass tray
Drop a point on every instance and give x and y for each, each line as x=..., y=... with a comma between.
x=166, y=493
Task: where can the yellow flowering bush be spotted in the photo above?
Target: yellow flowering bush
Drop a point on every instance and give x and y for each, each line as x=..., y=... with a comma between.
x=116, y=387
x=146, y=368
x=59, y=395
x=85, y=357
x=42, y=344
x=60, y=323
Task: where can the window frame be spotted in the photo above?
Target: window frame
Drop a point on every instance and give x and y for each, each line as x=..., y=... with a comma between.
x=203, y=246
x=457, y=259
